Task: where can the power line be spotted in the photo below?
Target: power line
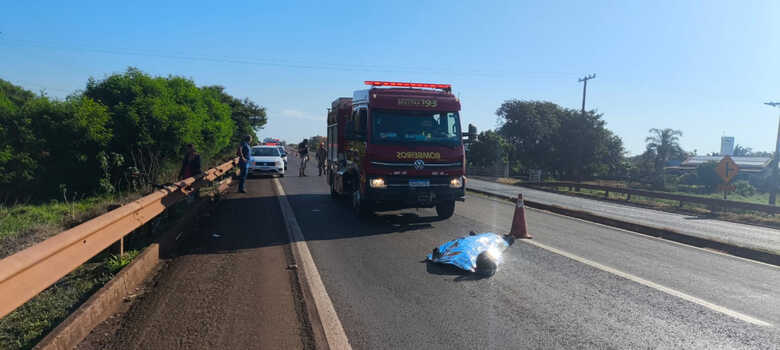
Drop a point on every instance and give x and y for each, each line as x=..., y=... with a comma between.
x=282, y=63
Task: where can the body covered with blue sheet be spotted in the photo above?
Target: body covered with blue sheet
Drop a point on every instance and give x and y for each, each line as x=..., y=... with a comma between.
x=479, y=253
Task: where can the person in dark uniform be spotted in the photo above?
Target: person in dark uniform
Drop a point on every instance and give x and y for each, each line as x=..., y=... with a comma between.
x=303, y=153
x=322, y=155
x=191, y=164
x=243, y=163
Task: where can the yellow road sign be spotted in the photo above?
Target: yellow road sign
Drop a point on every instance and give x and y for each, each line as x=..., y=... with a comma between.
x=727, y=169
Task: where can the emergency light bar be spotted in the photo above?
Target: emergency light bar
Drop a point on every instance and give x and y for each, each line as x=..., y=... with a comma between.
x=417, y=85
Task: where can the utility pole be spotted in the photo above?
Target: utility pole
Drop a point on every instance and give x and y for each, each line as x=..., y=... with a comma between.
x=774, y=163
x=584, y=81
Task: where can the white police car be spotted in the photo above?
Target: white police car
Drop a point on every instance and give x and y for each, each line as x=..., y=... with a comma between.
x=266, y=160
x=284, y=156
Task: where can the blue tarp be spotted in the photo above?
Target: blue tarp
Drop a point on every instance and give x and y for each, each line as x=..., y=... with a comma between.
x=463, y=252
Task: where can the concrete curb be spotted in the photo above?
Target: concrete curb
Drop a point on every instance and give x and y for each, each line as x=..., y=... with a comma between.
x=107, y=301
x=103, y=303
x=752, y=254
x=326, y=327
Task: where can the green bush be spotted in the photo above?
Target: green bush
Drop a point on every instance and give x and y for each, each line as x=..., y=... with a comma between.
x=117, y=262
x=688, y=179
x=706, y=175
x=123, y=131
x=744, y=189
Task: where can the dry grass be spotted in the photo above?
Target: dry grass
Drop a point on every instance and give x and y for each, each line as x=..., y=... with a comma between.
x=24, y=225
x=508, y=181
x=745, y=217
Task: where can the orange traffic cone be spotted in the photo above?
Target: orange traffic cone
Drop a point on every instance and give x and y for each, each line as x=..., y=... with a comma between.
x=519, y=228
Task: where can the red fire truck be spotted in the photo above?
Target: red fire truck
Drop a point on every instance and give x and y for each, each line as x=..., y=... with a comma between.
x=397, y=145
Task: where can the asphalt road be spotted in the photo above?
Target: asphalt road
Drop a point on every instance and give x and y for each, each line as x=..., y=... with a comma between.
x=541, y=297
x=748, y=236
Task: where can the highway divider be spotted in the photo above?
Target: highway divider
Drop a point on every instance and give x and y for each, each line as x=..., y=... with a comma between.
x=720, y=204
x=25, y=274
x=681, y=237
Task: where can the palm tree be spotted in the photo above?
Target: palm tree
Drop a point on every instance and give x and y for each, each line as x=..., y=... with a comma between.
x=665, y=145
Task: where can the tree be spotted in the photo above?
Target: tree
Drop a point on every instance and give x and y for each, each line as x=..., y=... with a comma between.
x=47, y=143
x=489, y=148
x=740, y=151
x=153, y=118
x=15, y=94
x=664, y=144
x=90, y=141
x=315, y=141
x=762, y=154
x=529, y=128
x=642, y=167
x=585, y=148
x=562, y=141
x=706, y=175
x=248, y=118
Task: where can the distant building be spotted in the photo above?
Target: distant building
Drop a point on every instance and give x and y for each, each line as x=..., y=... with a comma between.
x=747, y=165
x=727, y=146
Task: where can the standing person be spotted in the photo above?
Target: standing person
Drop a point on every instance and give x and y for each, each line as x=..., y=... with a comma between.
x=303, y=153
x=191, y=164
x=243, y=163
x=322, y=155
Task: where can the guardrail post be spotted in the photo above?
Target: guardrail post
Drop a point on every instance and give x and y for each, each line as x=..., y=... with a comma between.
x=122, y=246
x=606, y=194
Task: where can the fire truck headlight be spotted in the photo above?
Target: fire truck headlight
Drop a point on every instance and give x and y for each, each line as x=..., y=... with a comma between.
x=378, y=183
x=456, y=182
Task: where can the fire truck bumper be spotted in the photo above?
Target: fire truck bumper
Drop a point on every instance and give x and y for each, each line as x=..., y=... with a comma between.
x=399, y=198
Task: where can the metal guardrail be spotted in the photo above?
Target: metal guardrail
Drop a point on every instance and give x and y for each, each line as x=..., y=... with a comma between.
x=25, y=274
x=711, y=202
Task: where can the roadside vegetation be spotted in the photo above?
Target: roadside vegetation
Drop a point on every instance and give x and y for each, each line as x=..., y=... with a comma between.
x=28, y=324
x=746, y=217
x=25, y=224
x=63, y=162
x=537, y=137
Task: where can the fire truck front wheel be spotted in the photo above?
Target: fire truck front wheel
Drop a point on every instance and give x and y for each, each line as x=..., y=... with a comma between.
x=445, y=209
x=360, y=206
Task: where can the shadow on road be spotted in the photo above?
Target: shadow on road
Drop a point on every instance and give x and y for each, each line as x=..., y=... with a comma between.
x=449, y=270
x=324, y=218
x=254, y=219
x=239, y=222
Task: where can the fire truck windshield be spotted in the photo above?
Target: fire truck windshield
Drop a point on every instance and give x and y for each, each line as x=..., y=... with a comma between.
x=415, y=127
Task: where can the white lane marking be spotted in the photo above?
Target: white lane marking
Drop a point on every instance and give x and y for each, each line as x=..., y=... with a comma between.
x=334, y=332
x=667, y=290
x=641, y=235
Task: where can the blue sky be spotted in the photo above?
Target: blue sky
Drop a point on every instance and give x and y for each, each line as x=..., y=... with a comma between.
x=704, y=67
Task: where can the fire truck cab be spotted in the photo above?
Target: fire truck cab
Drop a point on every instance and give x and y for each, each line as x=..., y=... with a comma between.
x=395, y=146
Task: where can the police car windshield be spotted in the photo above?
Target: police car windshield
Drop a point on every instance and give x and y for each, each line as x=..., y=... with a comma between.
x=415, y=127
x=265, y=152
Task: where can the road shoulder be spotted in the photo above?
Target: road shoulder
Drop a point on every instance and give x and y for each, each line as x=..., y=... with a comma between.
x=231, y=286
